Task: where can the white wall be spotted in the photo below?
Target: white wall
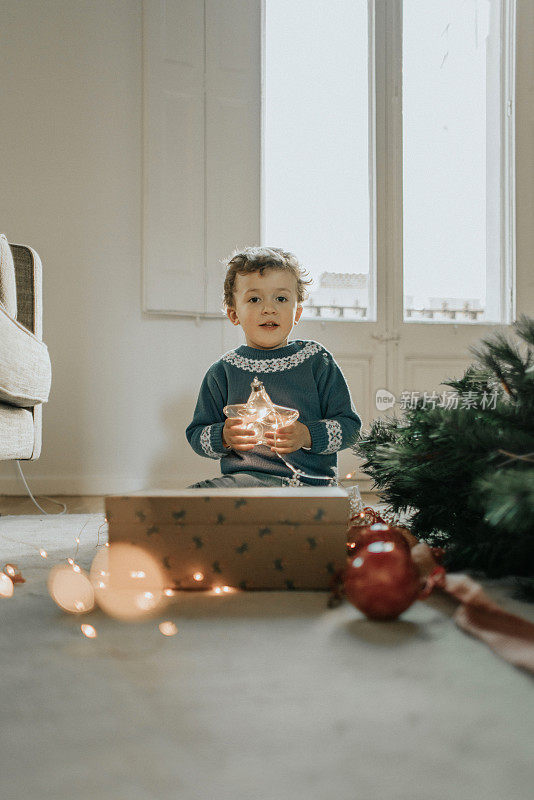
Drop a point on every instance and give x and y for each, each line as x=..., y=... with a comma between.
x=124, y=385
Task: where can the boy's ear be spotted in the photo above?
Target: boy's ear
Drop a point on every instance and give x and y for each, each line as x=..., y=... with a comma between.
x=298, y=313
x=232, y=316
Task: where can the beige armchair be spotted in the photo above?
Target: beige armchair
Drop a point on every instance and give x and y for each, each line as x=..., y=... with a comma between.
x=25, y=371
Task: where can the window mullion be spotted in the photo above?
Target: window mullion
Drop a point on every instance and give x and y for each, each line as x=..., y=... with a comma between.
x=388, y=72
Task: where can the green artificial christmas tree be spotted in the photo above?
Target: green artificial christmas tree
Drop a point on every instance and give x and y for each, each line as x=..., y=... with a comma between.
x=463, y=467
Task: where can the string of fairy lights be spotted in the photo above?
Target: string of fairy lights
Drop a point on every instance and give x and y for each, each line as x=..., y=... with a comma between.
x=122, y=592
x=124, y=580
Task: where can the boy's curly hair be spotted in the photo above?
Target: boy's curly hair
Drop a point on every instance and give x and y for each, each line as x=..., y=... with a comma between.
x=258, y=259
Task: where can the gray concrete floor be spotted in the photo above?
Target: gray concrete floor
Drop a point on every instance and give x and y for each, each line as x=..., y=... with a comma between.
x=264, y=695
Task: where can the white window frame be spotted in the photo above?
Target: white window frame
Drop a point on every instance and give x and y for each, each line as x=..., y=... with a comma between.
x=385, y=58
x=389, y=33
x=372, y=172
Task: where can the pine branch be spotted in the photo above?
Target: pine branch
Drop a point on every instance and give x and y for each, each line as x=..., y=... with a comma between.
x=524, y=327
x=441, y=463
x=504, y=357
x=508, y=498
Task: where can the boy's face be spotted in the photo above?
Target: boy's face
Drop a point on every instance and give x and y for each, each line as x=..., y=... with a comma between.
x=266, y=307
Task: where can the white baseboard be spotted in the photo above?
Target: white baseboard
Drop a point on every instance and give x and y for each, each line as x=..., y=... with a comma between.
x=85, y=484
x=107, y=484
x=365, y=484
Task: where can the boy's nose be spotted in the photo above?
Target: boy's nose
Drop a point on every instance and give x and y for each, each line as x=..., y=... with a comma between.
x=268, y=308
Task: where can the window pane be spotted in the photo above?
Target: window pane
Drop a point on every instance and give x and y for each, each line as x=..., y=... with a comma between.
x=452, y=151
x=316, y=148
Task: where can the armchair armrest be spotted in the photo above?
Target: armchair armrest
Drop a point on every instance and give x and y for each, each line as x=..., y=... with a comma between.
x=29, y=280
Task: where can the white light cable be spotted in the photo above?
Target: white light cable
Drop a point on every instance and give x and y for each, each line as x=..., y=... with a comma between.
x=57, y=502
x=297, y=473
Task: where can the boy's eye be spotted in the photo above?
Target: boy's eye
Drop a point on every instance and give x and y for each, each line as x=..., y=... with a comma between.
x=254, y=299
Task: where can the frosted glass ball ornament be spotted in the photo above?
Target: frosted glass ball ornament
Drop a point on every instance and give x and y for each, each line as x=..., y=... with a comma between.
x=128, y=582
x=70, y=589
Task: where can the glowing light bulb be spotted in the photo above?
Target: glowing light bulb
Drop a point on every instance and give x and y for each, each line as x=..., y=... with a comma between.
x=198, y=576
x=226, y=589
x=14, y=573
x=43, y=553
x=138, y=574
x=168, y=628
x=348, y=475
x=88, y=631
x=217, y=589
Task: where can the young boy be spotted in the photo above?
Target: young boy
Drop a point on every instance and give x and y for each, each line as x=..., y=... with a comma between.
x=263, y=293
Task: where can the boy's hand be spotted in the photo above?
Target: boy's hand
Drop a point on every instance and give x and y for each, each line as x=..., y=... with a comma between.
x=236, y=436
x=290, y=438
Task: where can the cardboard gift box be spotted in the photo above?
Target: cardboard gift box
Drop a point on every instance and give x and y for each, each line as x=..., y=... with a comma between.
x=267, y=538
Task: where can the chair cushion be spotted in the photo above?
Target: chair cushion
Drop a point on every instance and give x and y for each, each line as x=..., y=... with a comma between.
x=8, y=286
x=16, y=433
x=25, y=370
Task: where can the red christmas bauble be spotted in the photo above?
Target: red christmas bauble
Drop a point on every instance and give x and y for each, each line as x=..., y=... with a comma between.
x=381, y=579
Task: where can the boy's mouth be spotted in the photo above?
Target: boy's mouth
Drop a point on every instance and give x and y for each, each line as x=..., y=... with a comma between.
x=269, y=325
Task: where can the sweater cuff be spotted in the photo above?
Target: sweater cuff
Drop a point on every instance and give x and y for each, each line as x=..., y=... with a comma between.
x=326, y=435
x=211, y=440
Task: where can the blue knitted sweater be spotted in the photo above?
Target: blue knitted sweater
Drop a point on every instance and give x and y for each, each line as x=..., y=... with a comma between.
x=302, y=375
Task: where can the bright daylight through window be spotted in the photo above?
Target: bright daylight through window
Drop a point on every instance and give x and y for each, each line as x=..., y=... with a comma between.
x=316, y=156
x=316, y=149
x=452, y=144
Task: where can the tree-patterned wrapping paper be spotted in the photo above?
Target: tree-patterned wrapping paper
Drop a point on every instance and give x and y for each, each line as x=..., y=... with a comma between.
x=268, y=538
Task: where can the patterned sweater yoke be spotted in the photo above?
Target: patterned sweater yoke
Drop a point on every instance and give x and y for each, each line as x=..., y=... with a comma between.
x=301, y=375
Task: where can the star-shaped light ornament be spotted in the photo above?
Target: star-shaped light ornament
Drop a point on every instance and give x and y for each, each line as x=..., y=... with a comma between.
x=260, y=414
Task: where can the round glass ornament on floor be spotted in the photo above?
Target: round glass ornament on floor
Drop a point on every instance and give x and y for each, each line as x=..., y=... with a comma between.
x=128, y=582
x=6, y=585
x=70, y=588
x=381, y=579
